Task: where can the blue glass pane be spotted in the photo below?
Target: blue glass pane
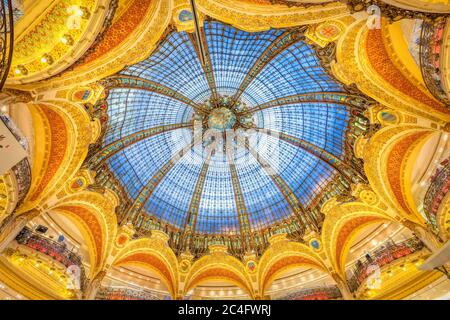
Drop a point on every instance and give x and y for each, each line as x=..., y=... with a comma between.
x=264, y=202
x=171, y=198
x=175, y=64
x=217, y=211
x=294, y=71
x=132, y=110
x=321, y=124
x=234, y=52
x=135, y=165
x=298, y=168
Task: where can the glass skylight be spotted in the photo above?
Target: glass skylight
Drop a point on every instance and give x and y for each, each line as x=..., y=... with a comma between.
x=215, y=197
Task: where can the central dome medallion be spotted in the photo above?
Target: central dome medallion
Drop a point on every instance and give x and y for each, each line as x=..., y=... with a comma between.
x=269, y=85
x=221, y=119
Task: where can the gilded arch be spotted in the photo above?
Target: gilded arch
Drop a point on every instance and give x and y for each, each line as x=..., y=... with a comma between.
x=389, y=173
x=63, y=132
x=93, y=213
x=218, y=265
x=342, y=224
x=145, y=20
x=365, y=57
x=256, y=17
x=283, y=255
x=151, y=253
x=48, y=46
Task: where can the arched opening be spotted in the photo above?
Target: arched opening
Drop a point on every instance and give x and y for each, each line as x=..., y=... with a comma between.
x=216, y=277
x=378, y=257
x=134, y=281
x=218, y=289
x=298, y=282
x=153, y=262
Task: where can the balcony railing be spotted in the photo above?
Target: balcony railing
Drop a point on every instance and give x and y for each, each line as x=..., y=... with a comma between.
x=21, y=170
x=384, y=255
x=6, y=39
x=56, y=250
x=106, y=293
x=431, y=47
x=440, y=186
x=318, y=293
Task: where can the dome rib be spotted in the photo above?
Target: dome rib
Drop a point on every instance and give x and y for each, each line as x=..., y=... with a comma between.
x=153, y=183
x=113, y=148
x=297, y=208
x=341, y=98
x=294, y=70
x=191, y=218
x=176, y=65
x=207, y=65
x=244, y=222
x=345, y=170
x=131, y=82
x=281, y=43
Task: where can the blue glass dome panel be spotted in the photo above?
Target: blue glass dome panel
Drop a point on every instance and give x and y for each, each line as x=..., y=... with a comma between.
x=171, y=199
x=234, y=52
x=176, y=65
x=322, y=124
x=135, y=173
x=264, y=202
x=217, y=208
x=296, y=70
x=133, y=110
x=294, y=166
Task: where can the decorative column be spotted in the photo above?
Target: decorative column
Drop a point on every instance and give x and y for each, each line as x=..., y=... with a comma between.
x=94, y=285
x=185, y=262
x=12, y=225
x=343, y=287
x=426, y=236
x=123, y=237
x=251, y=262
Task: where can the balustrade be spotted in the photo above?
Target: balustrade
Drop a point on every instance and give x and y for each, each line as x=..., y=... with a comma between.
x=56, y=250
x=106, y=293
x=439, y=187
x=384, y=255
x=6, y=39
x=317, y=293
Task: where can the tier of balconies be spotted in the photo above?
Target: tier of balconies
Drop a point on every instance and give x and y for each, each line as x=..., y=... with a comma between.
x=111, y=293
x=378, y=263
x=439, y=188
x=57, y=251
x=317, y=293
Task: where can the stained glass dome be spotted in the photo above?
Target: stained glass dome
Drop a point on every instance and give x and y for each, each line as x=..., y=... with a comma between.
x=288, y=116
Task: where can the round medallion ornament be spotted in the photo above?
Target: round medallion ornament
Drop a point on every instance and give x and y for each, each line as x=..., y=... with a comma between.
x=221, y=119
x=251, y=266
x=184, y=265
x=315, y=244
x=122, y=240
x=82, y=94
x=368, y=197
x=185, y=16
x=330, y=31
x=77, y=184
x=387, y=117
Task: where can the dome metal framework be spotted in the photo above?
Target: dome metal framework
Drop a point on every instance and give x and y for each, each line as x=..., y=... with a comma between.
x=270, y=86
